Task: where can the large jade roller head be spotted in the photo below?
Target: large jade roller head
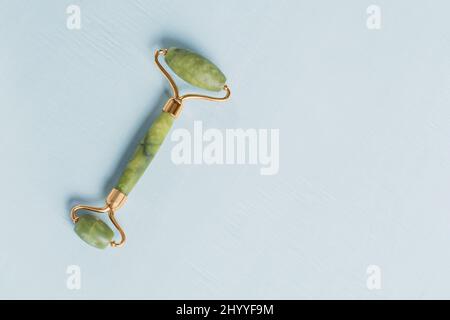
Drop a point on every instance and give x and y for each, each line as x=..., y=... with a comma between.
x=195, y=70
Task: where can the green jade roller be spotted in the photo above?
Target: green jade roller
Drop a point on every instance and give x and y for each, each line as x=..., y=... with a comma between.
x=195, y=70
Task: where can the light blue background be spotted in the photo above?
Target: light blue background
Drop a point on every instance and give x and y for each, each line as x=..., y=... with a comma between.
x=364, y=121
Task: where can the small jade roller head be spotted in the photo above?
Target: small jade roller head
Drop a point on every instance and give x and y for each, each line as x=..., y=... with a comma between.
x=195, y=70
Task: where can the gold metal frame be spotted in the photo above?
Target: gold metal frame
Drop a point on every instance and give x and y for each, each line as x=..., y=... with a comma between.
x=174, y=106
x=114, y=202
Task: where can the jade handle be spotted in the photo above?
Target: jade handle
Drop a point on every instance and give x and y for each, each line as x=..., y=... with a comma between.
x=145, y=152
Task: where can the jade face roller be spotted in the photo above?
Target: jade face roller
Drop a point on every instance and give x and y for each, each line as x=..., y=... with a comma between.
x=192, y=68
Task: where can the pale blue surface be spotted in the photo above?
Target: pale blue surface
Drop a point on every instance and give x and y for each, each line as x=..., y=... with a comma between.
x=364, y=119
